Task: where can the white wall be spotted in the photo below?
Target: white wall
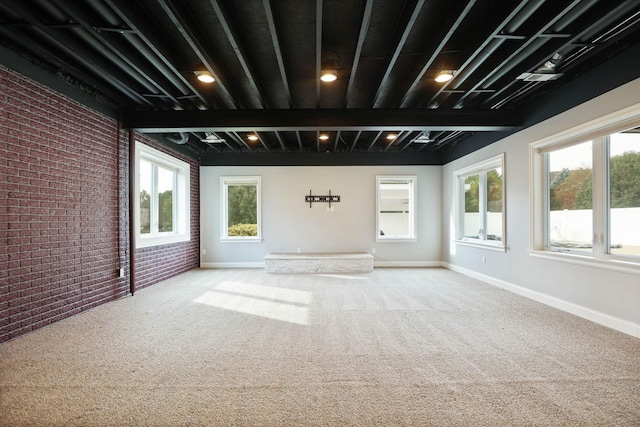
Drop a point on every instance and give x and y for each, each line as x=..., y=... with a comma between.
x=288, y=223
x=609, y=297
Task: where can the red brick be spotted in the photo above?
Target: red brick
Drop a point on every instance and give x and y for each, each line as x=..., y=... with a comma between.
x=66, y=209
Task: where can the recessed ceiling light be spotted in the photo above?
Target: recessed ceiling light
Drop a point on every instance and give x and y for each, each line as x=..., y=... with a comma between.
x=329, y=72
x=391, y=136
x=328, y=76
x=204, y=76
x=323, y=137
x=252, y=137
x=444, y=76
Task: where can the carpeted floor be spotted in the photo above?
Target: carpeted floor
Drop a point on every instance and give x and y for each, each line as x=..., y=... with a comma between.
x=396, y=347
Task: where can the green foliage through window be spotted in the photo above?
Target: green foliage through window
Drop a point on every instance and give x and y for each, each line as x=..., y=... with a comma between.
x=242, y=201
x=625, y=180
x=241, y=204
x=165, y=207
x=145, y=209
x=572, y=189
x=472, y=193
x=243, y=230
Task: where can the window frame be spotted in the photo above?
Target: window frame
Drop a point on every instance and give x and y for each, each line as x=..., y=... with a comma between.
x=412, y=235
x=225, y=181
x=480, y=168
x=181, y=230
x=597, y=131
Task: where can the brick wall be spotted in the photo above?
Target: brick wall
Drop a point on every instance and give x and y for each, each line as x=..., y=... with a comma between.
x=64, y=211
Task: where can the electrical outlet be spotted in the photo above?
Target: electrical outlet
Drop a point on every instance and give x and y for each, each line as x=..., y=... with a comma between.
x=484, y=259
x=298, y=250
x=204, y=251
x=373, y=250
x=121, y=272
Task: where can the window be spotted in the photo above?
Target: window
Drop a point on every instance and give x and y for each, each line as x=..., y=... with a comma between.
x=569, y=201
x=162, y=205
x=598, y=216
x=586, y=194
x=396, y=210
x=480, y=203
x=240, y=208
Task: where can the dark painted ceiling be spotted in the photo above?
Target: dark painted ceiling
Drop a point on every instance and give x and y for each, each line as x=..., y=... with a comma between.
x=138, y=60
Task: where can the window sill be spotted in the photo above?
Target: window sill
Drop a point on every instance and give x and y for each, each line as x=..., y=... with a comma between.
x=397, y=240
x=488, y=246
x=249, y=240
x=146, y=242
x=589, y=261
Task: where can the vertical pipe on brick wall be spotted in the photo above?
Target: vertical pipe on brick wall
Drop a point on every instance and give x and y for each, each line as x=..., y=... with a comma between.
x=132, y=195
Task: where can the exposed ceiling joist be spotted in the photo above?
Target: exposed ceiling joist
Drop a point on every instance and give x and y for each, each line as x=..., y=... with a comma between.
x=141, y=58
x=147, y=41
x=238, y=50
x=187, y=29
x=408, y=28
x=364, y=28
x=277, y=49
x=410, y=95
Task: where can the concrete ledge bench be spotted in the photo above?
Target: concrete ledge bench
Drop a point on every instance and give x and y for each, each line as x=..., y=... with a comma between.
x=334, y=262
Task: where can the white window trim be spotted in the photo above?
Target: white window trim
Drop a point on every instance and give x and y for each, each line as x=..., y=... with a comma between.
x=477, y=168
x=182, y=208
x=622, y=120
x=412, y=237
x=226, y=180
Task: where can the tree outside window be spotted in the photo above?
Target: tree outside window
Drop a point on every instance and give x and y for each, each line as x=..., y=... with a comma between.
x=243, y=213
x=624, y=193
x=241, y=208
x=570, y=196
x=166, y=182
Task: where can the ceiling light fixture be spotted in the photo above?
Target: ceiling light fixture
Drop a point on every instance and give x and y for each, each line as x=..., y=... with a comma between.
x=539, y=77
x=391, y=136
x=423, y=138
x=323, y=137
x=252, y=137
x=204, y=76
x=444, y=76
x=329, y=71
x=212, y=138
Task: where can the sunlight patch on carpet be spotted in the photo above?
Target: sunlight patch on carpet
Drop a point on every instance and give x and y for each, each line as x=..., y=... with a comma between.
x=286, y=305
x=278, y=294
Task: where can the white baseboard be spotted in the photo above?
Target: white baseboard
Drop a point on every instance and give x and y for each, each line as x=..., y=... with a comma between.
x=381, y=264
x=232, y=265
x=410, y=264
x=609, y=321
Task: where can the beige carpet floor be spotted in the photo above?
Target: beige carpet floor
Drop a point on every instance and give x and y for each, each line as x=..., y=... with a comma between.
x=396, y=347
